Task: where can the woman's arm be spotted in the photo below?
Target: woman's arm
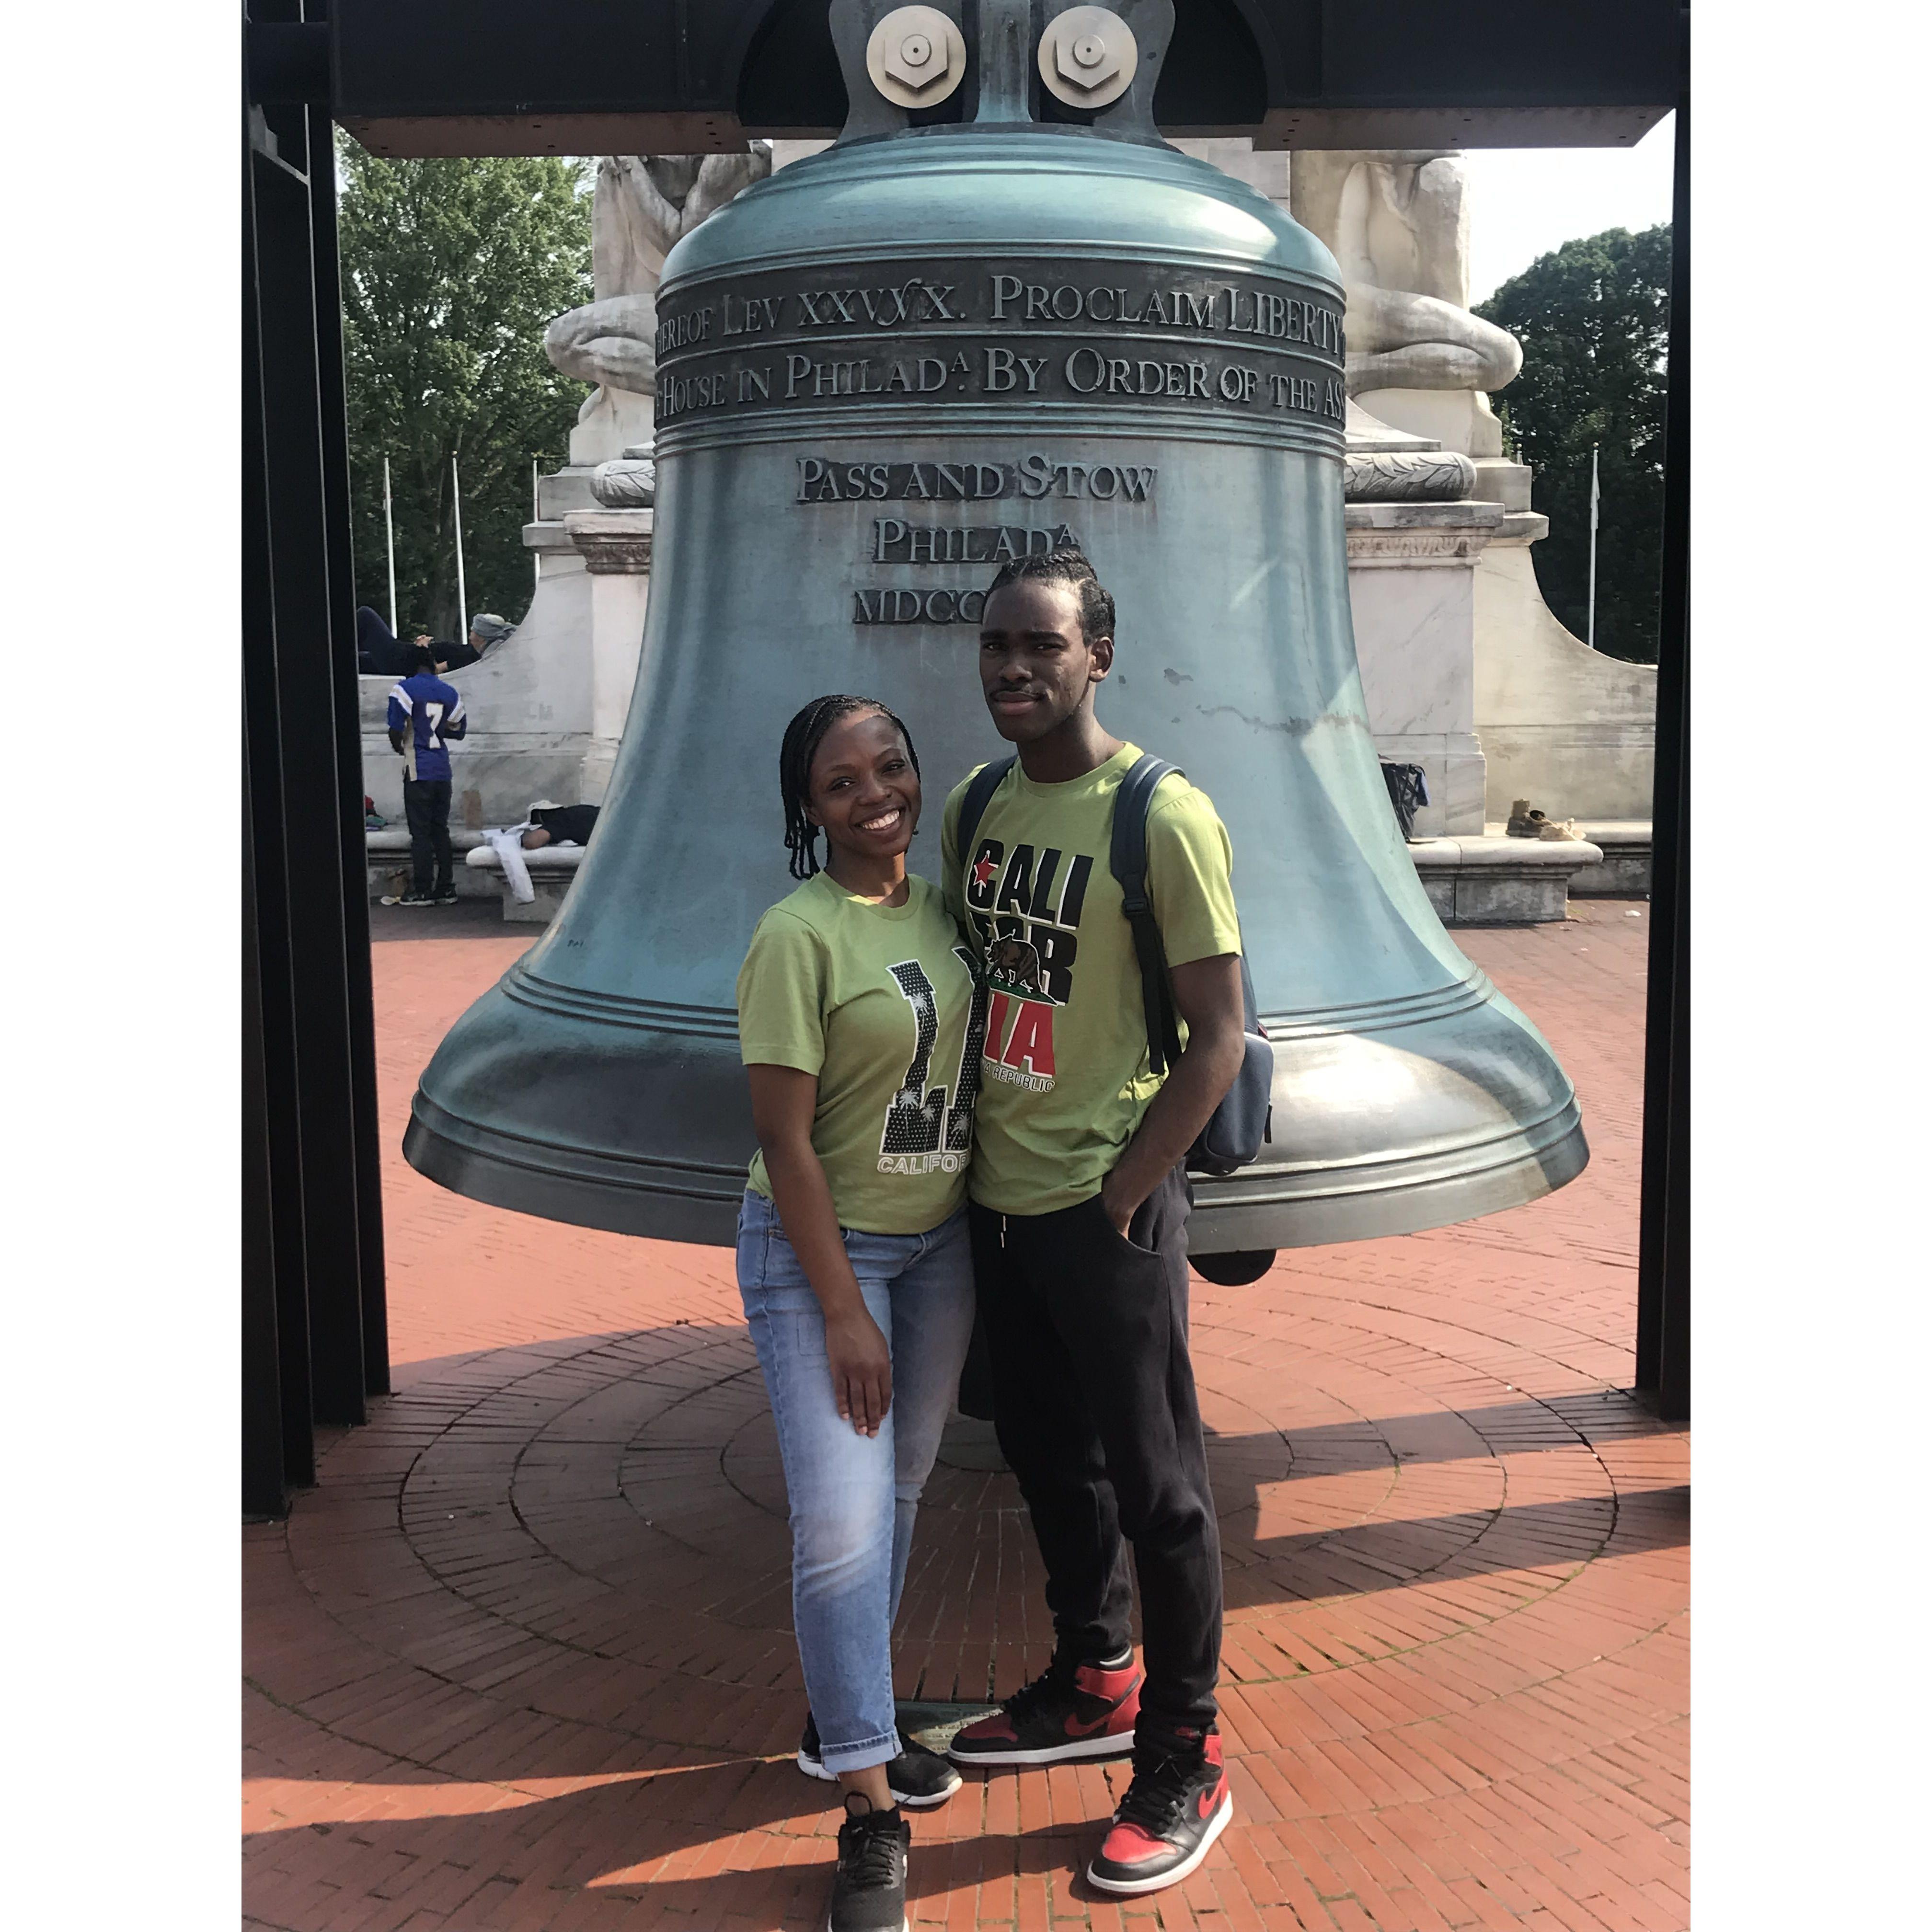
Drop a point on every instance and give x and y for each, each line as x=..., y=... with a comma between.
x=783, y=1102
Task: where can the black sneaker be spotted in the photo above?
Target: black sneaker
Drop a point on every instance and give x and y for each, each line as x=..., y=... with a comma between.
x=869, y=1892
x=448, y=898
x=917, y=1778
x=1072, y=1711
x=412, y=899
x=1176, y=1806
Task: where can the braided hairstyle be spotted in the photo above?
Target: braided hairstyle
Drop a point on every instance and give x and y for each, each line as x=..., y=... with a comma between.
x=803, y=737
x=1067, y=564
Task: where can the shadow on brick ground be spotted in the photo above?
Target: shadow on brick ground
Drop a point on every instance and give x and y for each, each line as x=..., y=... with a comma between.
x=629, y=1842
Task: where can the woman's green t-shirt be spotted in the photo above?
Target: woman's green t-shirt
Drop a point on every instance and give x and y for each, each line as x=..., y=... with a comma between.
x=878, y=1002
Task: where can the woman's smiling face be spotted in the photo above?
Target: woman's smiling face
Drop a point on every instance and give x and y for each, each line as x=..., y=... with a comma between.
x=864, y=791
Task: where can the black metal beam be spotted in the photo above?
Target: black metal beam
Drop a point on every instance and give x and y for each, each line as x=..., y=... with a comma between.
x=305, y=719
x=1663, y=1248
x=530, y=76
x=264, y=1477
x=367, y=1154
x=278, y=1448
x=315, y=1331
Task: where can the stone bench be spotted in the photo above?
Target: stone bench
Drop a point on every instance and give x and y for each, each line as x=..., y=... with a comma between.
x=1500, y=880
x=551, y=869
x=388, y=860
x=1492, y=881
x=1625, y=845
x=1625, y=872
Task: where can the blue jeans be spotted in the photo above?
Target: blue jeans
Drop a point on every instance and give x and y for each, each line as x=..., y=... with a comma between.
x=854, y=1498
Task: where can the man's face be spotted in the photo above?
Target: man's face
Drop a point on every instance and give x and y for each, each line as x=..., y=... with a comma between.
x=1035, y=667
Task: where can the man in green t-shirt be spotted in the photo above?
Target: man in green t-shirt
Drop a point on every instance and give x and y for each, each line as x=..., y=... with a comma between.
x=1078, y=1207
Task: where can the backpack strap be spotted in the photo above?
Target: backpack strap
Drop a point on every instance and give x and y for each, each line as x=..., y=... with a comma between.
x=1128, y=860
x=973, y=808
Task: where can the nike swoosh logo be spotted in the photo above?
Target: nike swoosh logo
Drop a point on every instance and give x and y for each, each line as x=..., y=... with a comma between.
x=1209, y=1799
x=1075, y=1729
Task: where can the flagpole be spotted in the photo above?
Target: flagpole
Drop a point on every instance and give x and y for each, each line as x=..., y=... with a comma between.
x=1591, y=640
x=389, y=530
x=462, y=590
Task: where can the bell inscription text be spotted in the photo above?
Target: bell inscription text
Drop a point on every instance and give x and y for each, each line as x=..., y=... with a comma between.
x=1104, y=335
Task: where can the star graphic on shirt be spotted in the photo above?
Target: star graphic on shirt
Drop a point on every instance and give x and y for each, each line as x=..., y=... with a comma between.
x=983, y=872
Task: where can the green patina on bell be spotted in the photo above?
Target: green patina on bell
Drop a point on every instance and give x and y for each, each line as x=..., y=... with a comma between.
x=882, y=372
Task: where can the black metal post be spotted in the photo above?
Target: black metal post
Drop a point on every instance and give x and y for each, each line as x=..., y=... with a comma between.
x=264, y=1480
x=315, y=1327
x=1663, y=1247
x=367, y=1150
x=315, y=1338
x=278, y=1440
x=311, y=779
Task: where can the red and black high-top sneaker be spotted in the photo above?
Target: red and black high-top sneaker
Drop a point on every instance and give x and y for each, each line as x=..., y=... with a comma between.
x=1176, y=1806
x=1073, y=1710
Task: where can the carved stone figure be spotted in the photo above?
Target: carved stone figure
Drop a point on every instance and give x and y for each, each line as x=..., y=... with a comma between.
x=644, y=205
x=628, y=482
x=1398, y=221
x=1384, y=465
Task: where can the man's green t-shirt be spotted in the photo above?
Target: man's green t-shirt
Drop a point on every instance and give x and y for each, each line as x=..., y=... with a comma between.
x=878, y=1002
x=1066, y=1077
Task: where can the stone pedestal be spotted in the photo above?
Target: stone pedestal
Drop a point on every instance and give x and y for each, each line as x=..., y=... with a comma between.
x=547, y=706
x=615, y=547
x=612, y=421
x=1411, y=590
x=1456, y=418
x=1500, y=480
x=1569, y=729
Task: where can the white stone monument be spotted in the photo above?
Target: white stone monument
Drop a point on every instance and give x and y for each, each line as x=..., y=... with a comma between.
x=1466, y=671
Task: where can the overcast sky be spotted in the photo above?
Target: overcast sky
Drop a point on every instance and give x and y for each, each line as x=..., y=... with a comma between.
x=1526, y=202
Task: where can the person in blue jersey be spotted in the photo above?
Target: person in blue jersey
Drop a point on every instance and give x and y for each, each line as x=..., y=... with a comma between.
x=425, y=715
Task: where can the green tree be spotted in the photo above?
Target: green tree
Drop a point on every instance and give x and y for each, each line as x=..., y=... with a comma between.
x=1592, y=320
x=450, y=272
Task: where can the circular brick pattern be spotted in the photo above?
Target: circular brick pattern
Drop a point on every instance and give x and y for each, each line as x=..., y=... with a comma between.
x=524, y=1657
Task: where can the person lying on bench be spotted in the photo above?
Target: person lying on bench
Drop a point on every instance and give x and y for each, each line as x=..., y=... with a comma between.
x=560, y=825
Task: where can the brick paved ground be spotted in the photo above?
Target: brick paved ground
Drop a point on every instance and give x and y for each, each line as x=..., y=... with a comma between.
x=524, y=1658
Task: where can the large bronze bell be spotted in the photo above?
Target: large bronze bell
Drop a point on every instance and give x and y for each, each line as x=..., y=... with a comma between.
x=881, y=372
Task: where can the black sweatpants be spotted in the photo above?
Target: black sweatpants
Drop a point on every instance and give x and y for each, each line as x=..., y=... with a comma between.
x=426, y=804
x=1094, y=1407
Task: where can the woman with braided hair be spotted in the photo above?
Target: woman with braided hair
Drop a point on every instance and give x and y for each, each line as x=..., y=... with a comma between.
x=860, y=1028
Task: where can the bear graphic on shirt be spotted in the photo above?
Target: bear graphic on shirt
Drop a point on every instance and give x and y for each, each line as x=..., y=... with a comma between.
x=1025, y=908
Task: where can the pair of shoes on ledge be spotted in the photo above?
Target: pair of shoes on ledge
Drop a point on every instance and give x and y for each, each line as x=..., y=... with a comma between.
x=1526, y=822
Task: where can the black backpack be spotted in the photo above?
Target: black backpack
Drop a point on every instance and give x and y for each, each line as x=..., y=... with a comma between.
x=1408, y=791
x=1237, y=1127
